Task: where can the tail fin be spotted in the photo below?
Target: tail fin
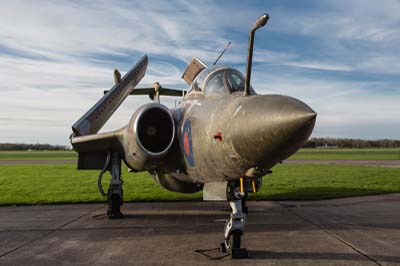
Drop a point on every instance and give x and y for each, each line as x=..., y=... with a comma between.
x=93, y=120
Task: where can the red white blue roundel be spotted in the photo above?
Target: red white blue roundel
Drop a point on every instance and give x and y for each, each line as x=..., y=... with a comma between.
x=186, y=142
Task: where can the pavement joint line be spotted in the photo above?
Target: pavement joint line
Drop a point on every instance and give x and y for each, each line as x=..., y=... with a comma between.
x=385, y=197
x=95, y=228
x=334, y=236
x=189, y=228
x=49, y=232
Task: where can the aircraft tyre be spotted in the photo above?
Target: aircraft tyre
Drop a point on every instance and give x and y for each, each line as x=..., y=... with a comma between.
x=233, y=240
x=114, y=207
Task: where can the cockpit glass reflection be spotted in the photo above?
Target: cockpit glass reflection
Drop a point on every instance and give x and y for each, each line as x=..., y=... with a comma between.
x=235, y=81
x=198, y=83
x=215, y=85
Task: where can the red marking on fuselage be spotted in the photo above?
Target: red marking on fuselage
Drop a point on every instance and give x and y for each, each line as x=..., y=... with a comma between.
x=218, y=136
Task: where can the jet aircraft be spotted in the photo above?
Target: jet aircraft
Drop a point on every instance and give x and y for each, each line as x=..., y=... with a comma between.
x=222, y=138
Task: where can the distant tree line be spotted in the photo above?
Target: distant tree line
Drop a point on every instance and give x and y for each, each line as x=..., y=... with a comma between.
x=351, y=143
x=36, y=147
x=311, y=143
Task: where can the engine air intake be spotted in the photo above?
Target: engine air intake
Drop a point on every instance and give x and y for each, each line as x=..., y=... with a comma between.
x=155, y=129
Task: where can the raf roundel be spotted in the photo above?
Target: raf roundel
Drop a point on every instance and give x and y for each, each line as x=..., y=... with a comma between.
x=186, y=142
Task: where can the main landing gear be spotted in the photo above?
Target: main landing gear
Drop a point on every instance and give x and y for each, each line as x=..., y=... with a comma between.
x=114, y=193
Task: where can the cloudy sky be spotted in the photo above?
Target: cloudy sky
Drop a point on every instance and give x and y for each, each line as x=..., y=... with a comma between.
x=340, y=57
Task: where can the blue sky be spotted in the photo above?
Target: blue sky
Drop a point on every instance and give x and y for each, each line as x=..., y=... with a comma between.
x=340, y=57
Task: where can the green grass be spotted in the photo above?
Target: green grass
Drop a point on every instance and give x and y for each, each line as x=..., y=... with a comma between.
x=37, y=155
x=347, y=154
x=303, y=154
x=33, y=184
x=314, y=182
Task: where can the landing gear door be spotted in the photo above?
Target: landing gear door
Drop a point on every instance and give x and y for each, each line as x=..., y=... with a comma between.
x=215, y=191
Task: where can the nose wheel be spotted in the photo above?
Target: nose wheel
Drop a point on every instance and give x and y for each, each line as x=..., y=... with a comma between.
x=234, y=240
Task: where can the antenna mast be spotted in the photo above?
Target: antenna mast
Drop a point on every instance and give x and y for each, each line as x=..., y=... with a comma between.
x=222, y=53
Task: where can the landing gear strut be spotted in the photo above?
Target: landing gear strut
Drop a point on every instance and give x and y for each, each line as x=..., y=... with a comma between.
x=114, y=193
x=234, y=225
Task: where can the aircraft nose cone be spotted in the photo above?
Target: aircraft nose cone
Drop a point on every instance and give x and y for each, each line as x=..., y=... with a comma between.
x=270, y=128
x=288, y=116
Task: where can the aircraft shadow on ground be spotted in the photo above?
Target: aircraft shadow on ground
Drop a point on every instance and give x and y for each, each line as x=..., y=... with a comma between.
x=321, y=192
x=271, y=255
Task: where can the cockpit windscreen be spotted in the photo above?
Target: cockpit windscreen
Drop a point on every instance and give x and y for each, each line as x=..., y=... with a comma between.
x=235, y=81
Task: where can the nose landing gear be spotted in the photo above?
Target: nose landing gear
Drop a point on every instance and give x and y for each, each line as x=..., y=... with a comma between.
x=235, y=223
x=234, y=231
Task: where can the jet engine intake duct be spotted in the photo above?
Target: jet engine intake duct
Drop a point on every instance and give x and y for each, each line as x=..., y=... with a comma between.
x=150, y=136
x=155, y=130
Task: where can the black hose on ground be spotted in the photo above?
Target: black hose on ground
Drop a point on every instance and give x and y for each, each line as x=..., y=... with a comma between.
x=99, y=186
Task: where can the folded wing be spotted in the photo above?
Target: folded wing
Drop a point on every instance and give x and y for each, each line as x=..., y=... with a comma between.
x=94, y=119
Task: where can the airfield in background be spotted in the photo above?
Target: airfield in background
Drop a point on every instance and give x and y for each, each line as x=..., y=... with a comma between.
x=40, y=177
x=347, y=231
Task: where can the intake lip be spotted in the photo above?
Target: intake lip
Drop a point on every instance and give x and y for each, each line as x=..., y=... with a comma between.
x=154, y=129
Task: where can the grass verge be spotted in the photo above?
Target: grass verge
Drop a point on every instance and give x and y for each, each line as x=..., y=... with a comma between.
x=37, y=155
x=347, y=154
x=302, y=154
x=39, y=184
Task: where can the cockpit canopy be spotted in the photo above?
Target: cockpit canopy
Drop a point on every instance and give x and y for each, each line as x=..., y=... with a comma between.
x=218, y=81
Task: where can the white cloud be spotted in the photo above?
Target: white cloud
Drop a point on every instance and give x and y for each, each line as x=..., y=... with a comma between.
x=351, y=20
x=320, y=65
x=53, y=63
x=345, y=108
x=381, y=63
x=353, y=34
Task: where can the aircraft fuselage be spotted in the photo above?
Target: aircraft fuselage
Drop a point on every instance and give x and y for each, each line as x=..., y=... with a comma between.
x=224, y=137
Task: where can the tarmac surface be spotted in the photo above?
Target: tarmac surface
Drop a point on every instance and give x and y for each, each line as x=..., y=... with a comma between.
x=352, y=231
